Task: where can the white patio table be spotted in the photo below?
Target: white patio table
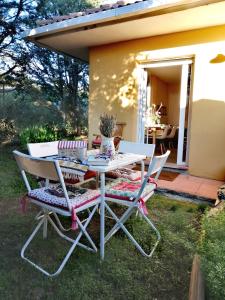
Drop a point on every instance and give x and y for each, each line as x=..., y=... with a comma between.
x=120, y=160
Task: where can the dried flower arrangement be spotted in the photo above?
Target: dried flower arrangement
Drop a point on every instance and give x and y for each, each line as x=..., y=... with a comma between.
x=153, y=115
x=107, y=125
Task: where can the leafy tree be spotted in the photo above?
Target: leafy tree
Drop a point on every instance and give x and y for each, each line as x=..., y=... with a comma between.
x=13, y=51
x=60, y=79
x=63, y=79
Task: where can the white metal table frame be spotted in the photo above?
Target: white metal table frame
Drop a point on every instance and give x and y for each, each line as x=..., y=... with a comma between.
x=129, y=158
x=119, y=162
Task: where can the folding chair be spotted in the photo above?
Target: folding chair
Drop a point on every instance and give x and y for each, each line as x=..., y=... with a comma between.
x=136, y=148
x=58, y=201
x=134, y=195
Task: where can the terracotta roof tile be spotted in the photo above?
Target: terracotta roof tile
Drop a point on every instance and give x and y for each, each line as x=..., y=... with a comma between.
x=88, y=11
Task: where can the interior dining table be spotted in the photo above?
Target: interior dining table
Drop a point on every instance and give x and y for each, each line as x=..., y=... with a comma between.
x=153, y=131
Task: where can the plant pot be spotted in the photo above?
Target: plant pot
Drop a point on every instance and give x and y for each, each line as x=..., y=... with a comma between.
x=107, y=146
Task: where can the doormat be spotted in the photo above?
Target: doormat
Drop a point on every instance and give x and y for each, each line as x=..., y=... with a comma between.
x=168, y=176
x=165, y=175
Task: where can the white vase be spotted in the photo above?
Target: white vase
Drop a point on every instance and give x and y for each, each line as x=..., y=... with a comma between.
x=107, y=146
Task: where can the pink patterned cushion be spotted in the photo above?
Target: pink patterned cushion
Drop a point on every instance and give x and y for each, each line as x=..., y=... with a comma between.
x=55, y=197
x=124, y=189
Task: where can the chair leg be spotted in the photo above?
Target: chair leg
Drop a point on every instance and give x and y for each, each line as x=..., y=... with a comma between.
x=45, y=228
x=161, y=148
x=130, y=237
x=47, y=218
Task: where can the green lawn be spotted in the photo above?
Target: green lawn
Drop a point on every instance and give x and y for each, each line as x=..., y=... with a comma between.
x=124, y=274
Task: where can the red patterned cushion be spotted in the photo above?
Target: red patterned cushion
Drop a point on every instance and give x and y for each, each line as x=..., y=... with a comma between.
x=97, y=141
x=124, y=173
x=54, y=196
x=124, y=189
x=74, y=180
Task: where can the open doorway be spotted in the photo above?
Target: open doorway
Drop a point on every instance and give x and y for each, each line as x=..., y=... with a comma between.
x=167, y=85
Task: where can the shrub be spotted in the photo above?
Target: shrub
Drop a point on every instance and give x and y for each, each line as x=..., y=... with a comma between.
x=212, y=251
x=7, y=129
x=38, y=134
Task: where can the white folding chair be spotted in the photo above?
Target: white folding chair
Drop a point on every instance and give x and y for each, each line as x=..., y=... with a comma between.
x=134, y=195
x=136, y=148
x=58, y=201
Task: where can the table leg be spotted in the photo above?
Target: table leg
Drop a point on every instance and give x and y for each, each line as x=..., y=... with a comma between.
x=102, y=217
x=154, y=136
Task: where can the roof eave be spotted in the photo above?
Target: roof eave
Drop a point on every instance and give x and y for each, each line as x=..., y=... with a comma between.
x=124, y=12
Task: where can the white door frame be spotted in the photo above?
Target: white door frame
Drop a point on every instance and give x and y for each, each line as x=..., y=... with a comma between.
x=142, y=100
x=184, y=63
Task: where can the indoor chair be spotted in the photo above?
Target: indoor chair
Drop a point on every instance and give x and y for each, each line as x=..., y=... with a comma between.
x=162, y=138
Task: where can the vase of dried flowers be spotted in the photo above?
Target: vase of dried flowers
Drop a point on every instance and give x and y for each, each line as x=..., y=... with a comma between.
x=107, y=128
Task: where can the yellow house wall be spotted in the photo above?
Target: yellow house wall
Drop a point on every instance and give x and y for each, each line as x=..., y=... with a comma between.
x=159, y=94
x=114, y=89
x=173, y=103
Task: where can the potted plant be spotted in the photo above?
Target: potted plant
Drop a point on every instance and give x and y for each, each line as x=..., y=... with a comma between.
x=107, y=128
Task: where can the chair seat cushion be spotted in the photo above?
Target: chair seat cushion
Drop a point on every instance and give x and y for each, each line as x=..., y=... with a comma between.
x=54, y=196
x=74, y=179
x=127, y=173
x=97, y=141
x=124, y=189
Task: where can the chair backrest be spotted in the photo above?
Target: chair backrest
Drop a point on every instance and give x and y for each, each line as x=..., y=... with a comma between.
x=155, y=168
x=165, y=132
x=157, y=164
x=119, y=129
x=44, y=168
x=172, y=133
x=43, y=149
x=137, y=148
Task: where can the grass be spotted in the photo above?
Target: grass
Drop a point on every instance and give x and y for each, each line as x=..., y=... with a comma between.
x=212, y=251
x=124, y=274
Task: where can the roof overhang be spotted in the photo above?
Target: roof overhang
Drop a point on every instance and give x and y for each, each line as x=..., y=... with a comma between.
x=144, y=19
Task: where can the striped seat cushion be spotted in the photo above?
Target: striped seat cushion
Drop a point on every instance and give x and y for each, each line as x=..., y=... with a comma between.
x=54, y=196
x=124, y=189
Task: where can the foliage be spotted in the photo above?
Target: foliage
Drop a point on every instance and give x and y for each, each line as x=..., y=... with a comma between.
x=7, y=129
x=28, y=110
x=212, y=251
x=61, y=80
x=124, y=274
x=107, y=125
x=14, y=55
x=46, y=133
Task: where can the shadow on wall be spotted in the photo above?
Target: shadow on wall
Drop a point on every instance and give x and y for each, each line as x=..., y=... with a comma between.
x=207, y=140
x=113, y=89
